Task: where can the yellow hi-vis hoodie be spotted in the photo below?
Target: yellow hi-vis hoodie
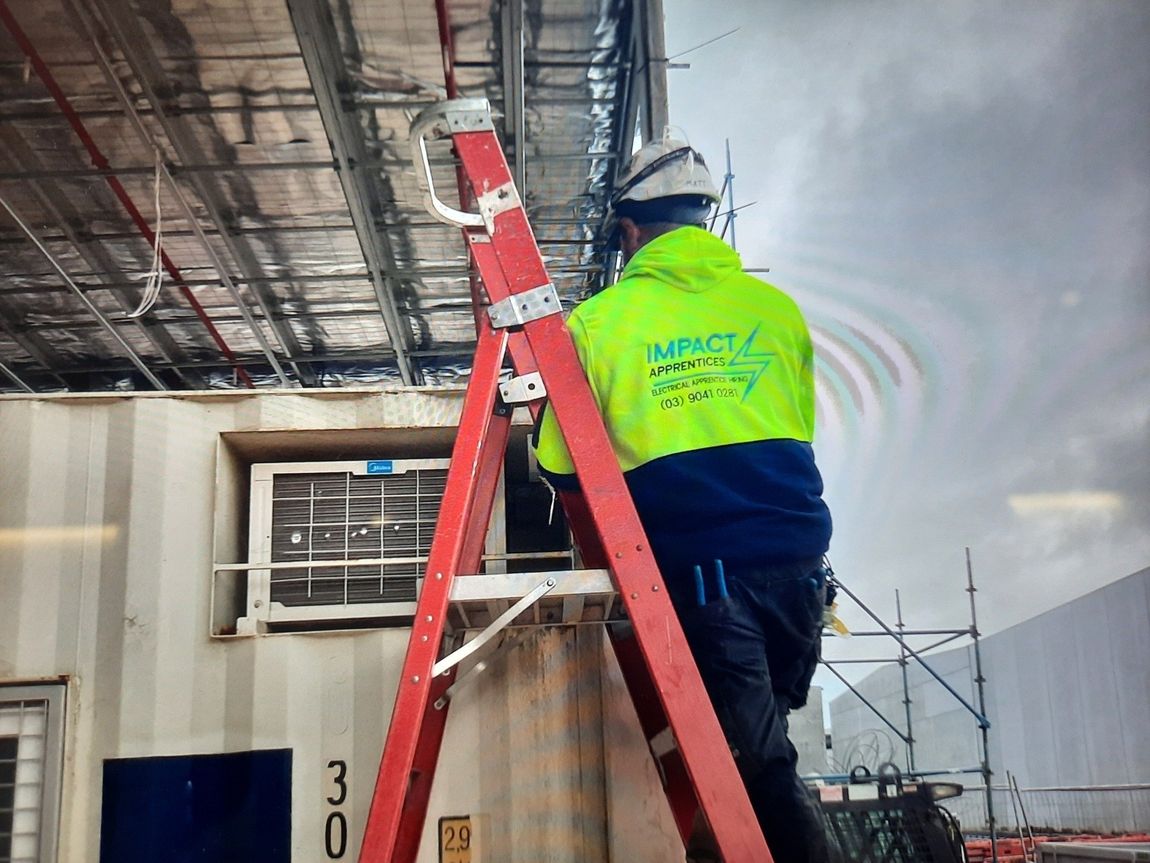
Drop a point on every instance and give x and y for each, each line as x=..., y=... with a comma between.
x=704, y=377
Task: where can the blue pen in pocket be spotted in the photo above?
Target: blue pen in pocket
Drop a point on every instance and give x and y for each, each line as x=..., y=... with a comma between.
x=721, y=580
x=700, y=591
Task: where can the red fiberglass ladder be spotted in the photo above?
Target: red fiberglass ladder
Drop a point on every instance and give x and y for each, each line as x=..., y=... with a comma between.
x=524, y=319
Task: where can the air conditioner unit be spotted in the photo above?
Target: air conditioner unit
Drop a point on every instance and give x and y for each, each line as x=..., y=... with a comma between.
x=347, y=541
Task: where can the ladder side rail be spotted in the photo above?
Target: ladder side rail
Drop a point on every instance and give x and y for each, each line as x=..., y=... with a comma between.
x=491, y=464
x=495, y=443
x=660, y=637
x=424, y=761
x=414, y=813
x=486, y=261
x=653, y=721
x=413, y=697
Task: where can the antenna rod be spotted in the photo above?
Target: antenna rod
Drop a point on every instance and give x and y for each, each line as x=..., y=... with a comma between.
x=729, y=183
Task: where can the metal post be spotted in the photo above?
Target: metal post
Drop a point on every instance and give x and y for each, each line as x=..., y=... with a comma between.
x=1022, y=808
x=1014, y=808
x=905, y=685
x=514, y=113
x=624, y=139
x=729, y=183
x=984, y=727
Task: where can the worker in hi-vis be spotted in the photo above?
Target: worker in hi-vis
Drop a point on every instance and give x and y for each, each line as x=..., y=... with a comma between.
x=704, y=377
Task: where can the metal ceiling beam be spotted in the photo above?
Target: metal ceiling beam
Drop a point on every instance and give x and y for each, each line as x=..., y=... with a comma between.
x=623, y=136
x=100, y=161
x=451, y=305
x=446, y=273
x=133, y=44
x=115, y=236
x=653, y=69
x=127, y=294
x=319, y=43
x=315, y=165
x=415, y=105
x=247, y=232
x=34, y=346
x=453, y=349
x=289, y=229
x=548, y=64
x=366, y=102
x=189, y=110
x=16, y=379
x=136, y=359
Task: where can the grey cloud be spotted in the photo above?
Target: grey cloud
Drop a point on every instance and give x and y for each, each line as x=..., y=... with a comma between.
x=967, y=184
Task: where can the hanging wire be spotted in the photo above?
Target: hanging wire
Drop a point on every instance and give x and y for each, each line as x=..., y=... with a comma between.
x=156, y=272
x=704, y=44
x=136, y=359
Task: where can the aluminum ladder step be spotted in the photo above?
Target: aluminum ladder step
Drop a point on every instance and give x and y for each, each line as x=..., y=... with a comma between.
x=578, y=596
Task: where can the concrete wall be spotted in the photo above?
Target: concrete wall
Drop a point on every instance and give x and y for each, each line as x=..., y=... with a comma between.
x=1068, y=696
x=809, y=735
x=108, y=515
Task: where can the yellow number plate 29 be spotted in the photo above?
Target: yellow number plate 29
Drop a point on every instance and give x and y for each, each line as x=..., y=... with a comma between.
x=455, y=839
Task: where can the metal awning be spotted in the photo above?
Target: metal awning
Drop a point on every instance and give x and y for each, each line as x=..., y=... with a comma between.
x=273, y=135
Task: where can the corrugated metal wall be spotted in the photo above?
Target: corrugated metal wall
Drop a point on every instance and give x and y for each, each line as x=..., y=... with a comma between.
x=1068, y=697
x=107, y=507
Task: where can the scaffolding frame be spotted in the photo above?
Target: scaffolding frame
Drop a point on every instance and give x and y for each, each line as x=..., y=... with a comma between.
x=905, y=655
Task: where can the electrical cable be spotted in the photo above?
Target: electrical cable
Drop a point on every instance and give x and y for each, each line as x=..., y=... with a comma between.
x=137, y=361
x=156, y=272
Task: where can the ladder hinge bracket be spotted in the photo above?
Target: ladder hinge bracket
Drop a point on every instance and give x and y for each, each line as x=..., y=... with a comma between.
x=453, y=116
x=498, y=201
x=522, y=389
x=530, y=305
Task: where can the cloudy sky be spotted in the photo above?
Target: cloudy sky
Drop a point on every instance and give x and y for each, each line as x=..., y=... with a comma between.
x=958, y=195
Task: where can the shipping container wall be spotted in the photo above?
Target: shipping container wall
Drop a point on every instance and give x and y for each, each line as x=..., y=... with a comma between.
x=111, y=510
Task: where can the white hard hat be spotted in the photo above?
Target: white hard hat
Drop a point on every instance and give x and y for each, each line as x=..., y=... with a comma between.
x=664, y=168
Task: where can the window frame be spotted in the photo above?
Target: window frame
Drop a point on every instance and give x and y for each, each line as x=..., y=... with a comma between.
x=55, y=694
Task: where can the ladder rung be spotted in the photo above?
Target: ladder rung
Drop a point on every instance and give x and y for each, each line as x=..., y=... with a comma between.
x=579, y=596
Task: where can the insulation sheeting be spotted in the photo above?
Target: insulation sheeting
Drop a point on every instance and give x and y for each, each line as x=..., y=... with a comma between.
x=226, y=93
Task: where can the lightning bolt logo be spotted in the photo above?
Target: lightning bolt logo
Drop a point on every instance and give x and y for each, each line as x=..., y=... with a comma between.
x=744, y=356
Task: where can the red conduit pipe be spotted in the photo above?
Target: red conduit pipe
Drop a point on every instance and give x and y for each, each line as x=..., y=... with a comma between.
x=101, y=164
x=448, y=46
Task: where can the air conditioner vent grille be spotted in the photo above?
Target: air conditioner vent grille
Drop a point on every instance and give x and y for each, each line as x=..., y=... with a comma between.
x=344, y=516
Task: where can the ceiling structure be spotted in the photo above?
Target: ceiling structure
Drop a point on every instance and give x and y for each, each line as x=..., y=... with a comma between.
x=266, y=142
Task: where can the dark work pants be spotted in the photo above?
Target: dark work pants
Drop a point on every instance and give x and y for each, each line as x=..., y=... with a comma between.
x=757, y=650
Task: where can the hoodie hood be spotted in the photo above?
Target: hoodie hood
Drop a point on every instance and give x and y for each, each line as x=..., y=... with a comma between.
x=687, y=258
